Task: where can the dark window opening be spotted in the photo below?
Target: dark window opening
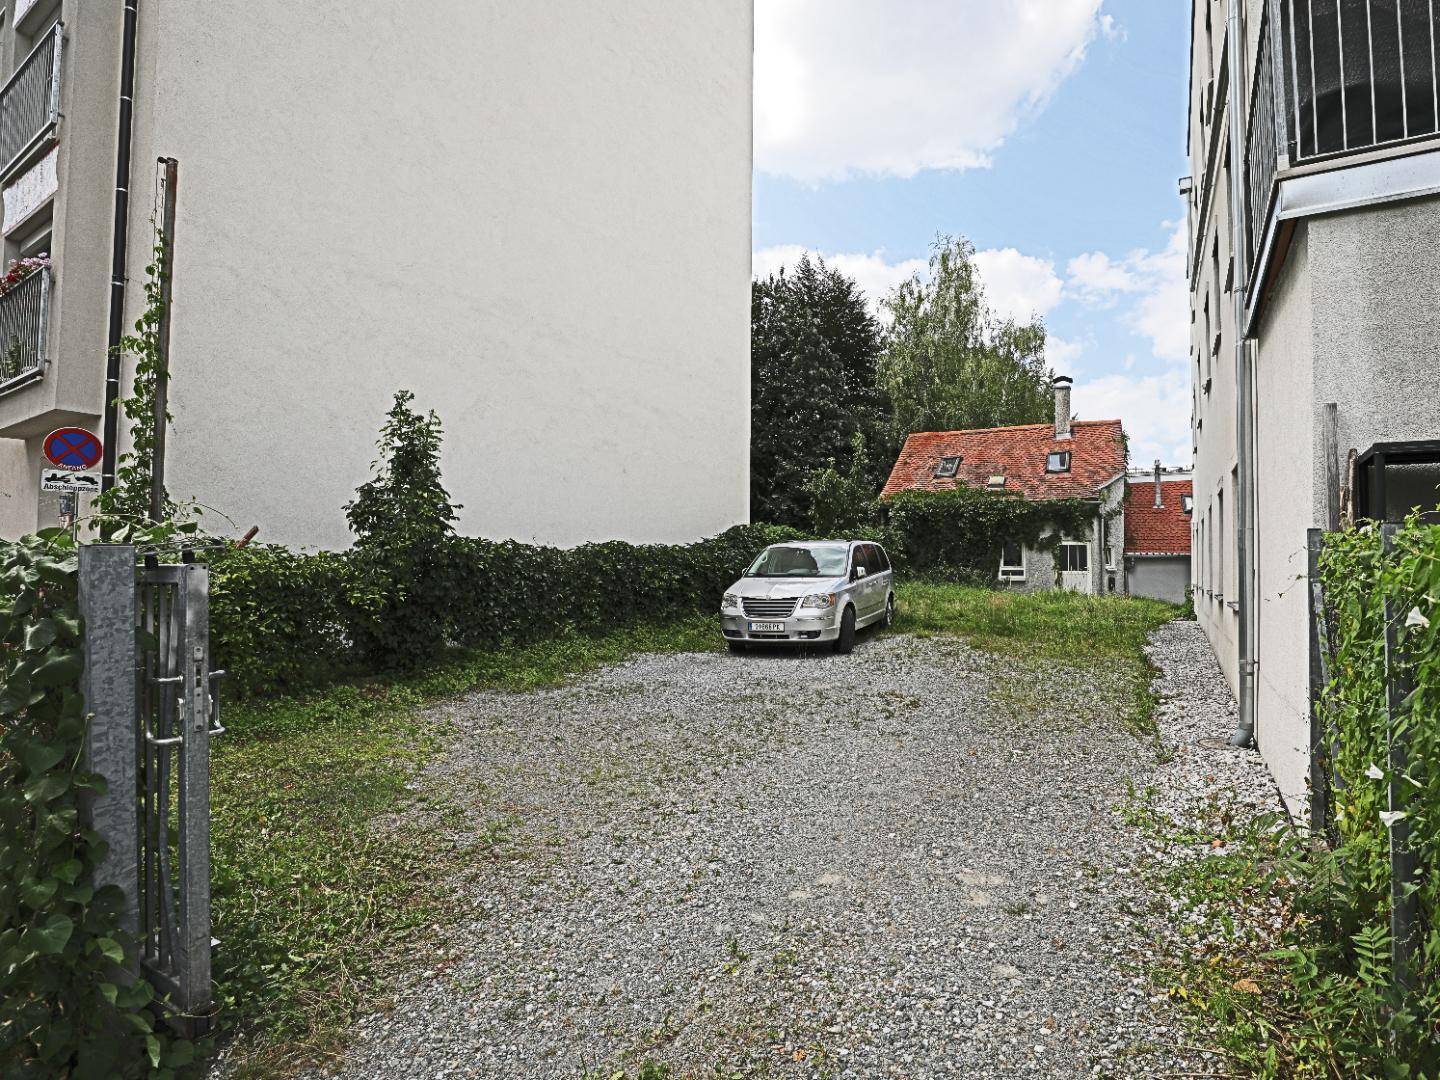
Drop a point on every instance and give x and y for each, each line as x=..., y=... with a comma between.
x=1057, y=461
x=948, y=466
x=1075, y=558
x=1012, y=560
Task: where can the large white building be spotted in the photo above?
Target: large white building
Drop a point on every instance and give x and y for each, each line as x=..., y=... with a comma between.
x=1314, y=204
x=535, y=215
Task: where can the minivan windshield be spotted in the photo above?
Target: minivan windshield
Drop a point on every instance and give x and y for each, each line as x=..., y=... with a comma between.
x=819, y=560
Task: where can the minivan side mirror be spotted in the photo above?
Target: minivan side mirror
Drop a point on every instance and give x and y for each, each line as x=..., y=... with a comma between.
x=859, y=572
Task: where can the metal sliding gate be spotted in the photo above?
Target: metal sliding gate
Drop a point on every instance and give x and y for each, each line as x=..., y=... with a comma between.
x=152, y=697
x=177, y=714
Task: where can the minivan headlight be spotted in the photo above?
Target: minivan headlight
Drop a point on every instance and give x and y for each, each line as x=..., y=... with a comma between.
x=819, y=600
x=730, y=601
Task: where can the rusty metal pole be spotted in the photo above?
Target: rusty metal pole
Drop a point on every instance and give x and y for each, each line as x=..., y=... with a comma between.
x=162, y=377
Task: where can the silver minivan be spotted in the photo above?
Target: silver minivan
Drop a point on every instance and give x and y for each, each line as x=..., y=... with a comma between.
x=807, y=592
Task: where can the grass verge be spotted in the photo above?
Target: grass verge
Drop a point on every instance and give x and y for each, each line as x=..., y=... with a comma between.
x=312, y=902
x=1102, y=633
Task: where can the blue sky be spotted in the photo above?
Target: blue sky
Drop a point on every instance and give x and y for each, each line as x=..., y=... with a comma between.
x=1049, y=132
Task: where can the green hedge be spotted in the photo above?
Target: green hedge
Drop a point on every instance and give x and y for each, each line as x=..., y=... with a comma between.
x=1359, y=576
x=283, y=620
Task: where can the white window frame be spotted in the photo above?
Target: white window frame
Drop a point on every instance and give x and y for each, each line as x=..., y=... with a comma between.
x=1060, y=554
x=1012, y=571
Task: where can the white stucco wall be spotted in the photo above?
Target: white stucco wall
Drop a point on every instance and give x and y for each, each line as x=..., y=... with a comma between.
x=535, y=216
x=1286, y=451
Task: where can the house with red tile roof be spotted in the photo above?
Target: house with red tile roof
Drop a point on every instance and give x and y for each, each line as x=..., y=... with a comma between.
x=1068, y=459
x=1158, y=512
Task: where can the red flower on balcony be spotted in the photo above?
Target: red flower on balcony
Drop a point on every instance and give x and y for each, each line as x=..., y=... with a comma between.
x=20, y=269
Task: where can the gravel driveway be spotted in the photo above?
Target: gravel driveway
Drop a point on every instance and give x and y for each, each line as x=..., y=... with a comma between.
x=904, y=862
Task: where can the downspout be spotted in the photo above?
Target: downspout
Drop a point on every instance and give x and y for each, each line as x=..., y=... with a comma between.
x=1244, y=409
x=118, y=250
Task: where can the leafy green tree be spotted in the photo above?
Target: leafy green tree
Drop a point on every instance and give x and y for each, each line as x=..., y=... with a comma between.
x=949, y=362
x=813, y=355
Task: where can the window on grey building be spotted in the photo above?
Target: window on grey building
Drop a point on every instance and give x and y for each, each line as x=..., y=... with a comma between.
x=1012, y=561
x=1074, y=558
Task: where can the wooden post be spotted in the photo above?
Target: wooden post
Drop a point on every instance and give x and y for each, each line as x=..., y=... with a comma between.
x=1331, y=436
x=162, y=377
x=1321, y=760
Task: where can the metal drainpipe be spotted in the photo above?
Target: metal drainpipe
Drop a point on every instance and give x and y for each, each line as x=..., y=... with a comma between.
x=1244, y=409
x=118, y=250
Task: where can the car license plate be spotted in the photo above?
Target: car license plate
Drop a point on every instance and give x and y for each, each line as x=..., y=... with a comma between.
x=767, y=627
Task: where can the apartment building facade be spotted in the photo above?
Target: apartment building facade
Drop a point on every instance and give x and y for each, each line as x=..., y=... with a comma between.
x=534, y=216
x=1314, y=203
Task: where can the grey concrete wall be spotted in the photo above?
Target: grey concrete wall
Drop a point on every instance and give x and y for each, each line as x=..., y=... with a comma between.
x=1159, y=577
x=535, y=216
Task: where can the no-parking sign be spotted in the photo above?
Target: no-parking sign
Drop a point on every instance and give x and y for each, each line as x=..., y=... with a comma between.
x=72, y=448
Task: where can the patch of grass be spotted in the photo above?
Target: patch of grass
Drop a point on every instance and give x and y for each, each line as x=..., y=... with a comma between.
x=318, y=882
x=1052, y=625
x=1097, y=632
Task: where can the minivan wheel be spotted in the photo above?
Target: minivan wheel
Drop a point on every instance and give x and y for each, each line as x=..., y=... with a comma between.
x=890, y=610
x=846, y=641
x=736, y=646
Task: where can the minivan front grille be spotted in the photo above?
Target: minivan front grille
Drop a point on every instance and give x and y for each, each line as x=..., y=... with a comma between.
x=758, y=607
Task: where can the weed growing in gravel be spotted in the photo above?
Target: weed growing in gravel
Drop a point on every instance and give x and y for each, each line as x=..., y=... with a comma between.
x=319, y=881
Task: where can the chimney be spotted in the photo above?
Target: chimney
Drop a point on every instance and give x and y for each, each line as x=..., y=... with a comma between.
x=1062, y=406
x=1158, y=501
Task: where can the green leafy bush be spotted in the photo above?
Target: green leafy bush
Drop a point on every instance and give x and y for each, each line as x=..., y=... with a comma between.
x=958, y=533
x=1349, y=903
x=63, y=1010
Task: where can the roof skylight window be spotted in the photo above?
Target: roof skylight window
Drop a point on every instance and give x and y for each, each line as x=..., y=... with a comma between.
x=996, y=482
x=948, y=466
x=1057, y=461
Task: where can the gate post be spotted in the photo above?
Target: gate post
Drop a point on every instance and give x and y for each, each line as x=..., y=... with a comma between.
x=107, y=605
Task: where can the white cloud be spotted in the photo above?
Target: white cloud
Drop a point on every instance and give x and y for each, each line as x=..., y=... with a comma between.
x=1152, y=283
x=1062, y=355
x=1019, y=286
x=846, y=87
x=1155, y=408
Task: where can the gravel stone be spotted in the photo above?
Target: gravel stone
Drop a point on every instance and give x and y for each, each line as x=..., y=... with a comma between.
x=905, y=862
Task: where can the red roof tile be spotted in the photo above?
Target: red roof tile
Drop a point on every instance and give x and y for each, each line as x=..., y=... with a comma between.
x=1097, y=456
x=1157, y=531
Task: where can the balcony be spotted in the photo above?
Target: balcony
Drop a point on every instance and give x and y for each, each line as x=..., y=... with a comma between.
x=1333, y=80
x=24, y=320
x=30, y=104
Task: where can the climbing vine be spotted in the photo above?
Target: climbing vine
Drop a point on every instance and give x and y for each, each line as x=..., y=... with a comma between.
x=128, y=501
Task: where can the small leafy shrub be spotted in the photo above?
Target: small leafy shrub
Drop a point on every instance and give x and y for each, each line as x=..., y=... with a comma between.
x=958, y=534
x=63, y=1011
x=842, y=503
x=402, y=519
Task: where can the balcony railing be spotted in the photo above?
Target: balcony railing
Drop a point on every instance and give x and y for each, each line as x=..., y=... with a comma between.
x=1334, y=78
x=1358, y=74
x=24, y=319
x=30, y=103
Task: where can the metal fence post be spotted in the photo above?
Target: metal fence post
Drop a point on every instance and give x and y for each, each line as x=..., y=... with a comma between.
x=107, y=604
x=1404, y=900
x=194, y=808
